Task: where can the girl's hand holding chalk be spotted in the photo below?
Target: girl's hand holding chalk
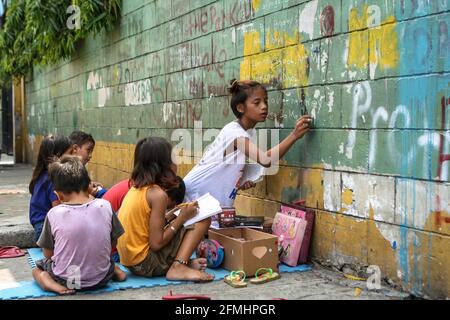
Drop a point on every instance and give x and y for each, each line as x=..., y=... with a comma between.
x=302, y=126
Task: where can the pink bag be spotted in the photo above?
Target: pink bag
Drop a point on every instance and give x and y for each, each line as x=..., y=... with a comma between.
x=290, y=231
x=308, y=216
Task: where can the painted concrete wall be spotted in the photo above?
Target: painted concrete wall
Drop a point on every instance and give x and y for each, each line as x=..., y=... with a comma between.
x=374, y=73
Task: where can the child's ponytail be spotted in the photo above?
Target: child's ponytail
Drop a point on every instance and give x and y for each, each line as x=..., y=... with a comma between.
x=234, y=87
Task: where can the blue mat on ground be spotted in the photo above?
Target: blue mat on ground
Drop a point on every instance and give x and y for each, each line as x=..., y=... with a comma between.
x=30, y=289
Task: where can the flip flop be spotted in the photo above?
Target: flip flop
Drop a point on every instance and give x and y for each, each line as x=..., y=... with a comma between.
x=11, y=252
x=267, y=276
x=172, y=296
x=236, y=279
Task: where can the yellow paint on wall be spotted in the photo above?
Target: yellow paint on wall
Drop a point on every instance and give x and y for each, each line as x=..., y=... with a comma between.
x=351, y=238
x=358, y=49
x=358, y=46
x=252, y=43
x=347, y=197
x=323, y=237
x=287, y=177
x=267, y=67
x=312, y=190
x=358, y=52
x=384, y=45
x=277, y=39
x=295, y=66
x=379, y=48
x=251, y=206
x=274, y=40
x=111, y=162
x=287, y=67
x=437, y=242
x=436, y=223
x=379, y=250
x=183, y=169
x=245, y=71
x=256, y=4
x=436, y=267
x=357, y=21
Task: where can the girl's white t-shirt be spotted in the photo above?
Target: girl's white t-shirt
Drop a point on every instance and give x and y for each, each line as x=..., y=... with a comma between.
x=218, y=174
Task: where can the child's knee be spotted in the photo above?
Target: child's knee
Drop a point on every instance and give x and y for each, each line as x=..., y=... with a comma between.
x=36, y=272
x=205, y=223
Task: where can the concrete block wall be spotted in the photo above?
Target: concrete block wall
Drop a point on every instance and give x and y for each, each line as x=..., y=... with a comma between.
x=374, y=73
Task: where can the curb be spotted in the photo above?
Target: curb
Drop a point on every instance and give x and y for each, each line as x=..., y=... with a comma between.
x=17, y=235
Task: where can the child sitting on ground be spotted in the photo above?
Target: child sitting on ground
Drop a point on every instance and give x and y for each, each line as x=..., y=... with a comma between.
x=43, y=197
x=117, y=192
x=82, y=145
x=77, y=236
x=149, y=248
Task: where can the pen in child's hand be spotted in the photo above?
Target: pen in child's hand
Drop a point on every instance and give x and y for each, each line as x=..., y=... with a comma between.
x=172, y=211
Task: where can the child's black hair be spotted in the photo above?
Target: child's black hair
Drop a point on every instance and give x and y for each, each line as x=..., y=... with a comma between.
x=62, y=144
x=152, y=164
x=45, y=157
x=177, y=193
x=137, y=150
x=79, y=138
x=69, y=175
x=240, y=90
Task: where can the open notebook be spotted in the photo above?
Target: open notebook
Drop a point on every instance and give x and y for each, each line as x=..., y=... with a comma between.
x=208, y=207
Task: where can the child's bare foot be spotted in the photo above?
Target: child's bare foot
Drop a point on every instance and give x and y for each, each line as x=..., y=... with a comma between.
x=180, y=271
x=119, y=274
x=63, y=291
x=47, y=283
x=198, y=264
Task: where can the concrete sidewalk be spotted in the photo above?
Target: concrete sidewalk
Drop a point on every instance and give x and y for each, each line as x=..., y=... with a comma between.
x=320, y=283
x=15, y=228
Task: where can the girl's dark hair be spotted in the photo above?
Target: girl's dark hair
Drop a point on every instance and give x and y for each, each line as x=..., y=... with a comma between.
x=152, y=164
x=79, y=138
x=240, y=90
x=69, y=175
x=45, y=157
x=62, y=144
x=177, y=194
x=137, y=150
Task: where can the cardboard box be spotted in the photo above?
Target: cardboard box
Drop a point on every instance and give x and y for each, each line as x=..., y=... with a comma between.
x=247, y=249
